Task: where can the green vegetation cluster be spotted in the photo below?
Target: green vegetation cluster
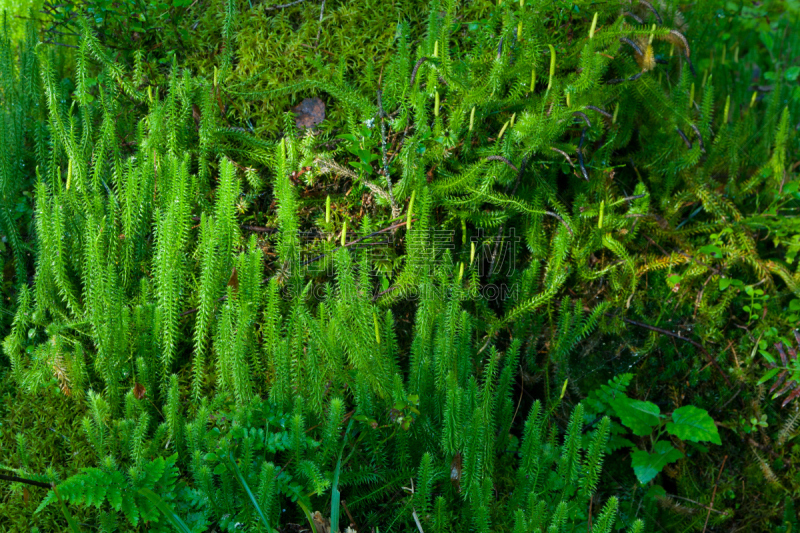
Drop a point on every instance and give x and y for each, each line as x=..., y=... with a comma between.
x=400, y=266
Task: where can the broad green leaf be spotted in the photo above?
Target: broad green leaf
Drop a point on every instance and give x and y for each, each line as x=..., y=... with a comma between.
x=647, y=465
x=694, y=424
x=792, y=73
x=711, y=249
x=637, y=415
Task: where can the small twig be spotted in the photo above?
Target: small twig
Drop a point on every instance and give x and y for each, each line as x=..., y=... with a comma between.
x=722, y=409
x=699, y=137
x=387, y=291
x=383, y=150
x=565, y=155
x=319, y=30
x=504, y=160
x=416, y=67
x=714, y=493
x=60, y=44
x=632, y=45
x=580, y=151
x=634, y=17
x=700, y=296
x=344, y=503
x=682, y=38
x=497, y=241
x=520, y=173
x=52, y=30
x=521, y=391
x=416, y=519
x=582, y=115
x=591, y=502
x=683, y=136
x=691, y=68
x=258, y=229
x=650, y=6
x=696, y=503
x=681, y=337
x=770, y=451
x=601, y=111
x=26, y=481
x=583, y=166
x=557, y=217
x=485, y=344
x=634, y=197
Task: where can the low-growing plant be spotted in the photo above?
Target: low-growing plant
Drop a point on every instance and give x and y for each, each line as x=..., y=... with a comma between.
x=391, y=319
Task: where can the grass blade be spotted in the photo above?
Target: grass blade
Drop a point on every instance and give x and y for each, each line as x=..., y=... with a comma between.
x=73, y=525
x=173, y=518
x=307, y=512
x=335, y=495
x=243, y=483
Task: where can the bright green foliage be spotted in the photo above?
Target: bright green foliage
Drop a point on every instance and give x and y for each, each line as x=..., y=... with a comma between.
x=22, y=135
x=519, y=203
x=107, y=485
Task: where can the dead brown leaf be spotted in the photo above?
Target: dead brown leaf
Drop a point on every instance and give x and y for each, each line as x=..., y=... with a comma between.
x=139, y=391
x=321, y=524
x=234, y=280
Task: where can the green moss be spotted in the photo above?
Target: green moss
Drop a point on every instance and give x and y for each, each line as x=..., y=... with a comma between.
x=55, y=445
